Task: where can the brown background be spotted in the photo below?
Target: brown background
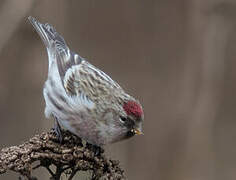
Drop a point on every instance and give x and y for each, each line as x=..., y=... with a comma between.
x=177, y=57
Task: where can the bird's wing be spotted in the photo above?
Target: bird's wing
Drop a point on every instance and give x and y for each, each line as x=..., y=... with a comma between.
x=86, y=78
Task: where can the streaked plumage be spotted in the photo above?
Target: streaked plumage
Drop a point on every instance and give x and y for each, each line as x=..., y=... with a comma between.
x=82, y=98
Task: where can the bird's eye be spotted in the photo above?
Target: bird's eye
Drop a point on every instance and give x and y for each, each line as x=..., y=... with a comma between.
x=123, y=119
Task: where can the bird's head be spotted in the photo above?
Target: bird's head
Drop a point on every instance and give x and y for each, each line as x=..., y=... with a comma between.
x=133, y=118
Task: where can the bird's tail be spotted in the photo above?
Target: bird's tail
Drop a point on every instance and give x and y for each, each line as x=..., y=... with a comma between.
x=47, y=33
x=54, y=42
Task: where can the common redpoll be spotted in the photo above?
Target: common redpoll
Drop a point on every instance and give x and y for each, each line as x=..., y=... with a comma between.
x=83, y=99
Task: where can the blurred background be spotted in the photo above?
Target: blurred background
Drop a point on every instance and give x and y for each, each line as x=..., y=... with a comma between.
x=176, y=57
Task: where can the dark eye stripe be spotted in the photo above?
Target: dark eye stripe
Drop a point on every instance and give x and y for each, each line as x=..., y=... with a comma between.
x=129, y=123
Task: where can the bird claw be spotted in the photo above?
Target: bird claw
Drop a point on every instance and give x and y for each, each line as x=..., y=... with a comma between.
x=96, y=149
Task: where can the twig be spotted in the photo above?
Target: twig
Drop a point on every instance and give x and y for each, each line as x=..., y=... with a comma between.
x=70, y=155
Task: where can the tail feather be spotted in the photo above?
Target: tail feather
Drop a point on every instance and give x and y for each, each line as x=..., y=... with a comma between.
x=45, y=31
x=51, y=39
x=54, y=42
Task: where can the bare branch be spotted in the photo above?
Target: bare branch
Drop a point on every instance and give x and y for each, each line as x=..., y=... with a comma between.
x=69, y=157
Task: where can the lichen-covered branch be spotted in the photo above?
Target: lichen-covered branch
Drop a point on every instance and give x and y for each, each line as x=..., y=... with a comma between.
x=69, y=157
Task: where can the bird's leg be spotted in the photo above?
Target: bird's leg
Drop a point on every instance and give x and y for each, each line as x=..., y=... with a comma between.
x=57, y=129
x=96, y=149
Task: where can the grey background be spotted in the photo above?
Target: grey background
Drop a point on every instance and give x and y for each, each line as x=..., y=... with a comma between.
x=176, y=57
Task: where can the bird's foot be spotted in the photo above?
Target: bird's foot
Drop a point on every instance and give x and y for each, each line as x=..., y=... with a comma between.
x=58, y=131
x=96, y=149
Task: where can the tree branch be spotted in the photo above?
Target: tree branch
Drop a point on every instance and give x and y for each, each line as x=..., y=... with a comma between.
x=69, y=157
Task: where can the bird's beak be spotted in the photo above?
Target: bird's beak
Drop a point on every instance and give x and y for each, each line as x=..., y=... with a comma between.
x=137, y=131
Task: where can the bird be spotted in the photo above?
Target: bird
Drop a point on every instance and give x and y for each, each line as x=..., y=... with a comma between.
x=83, y=99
